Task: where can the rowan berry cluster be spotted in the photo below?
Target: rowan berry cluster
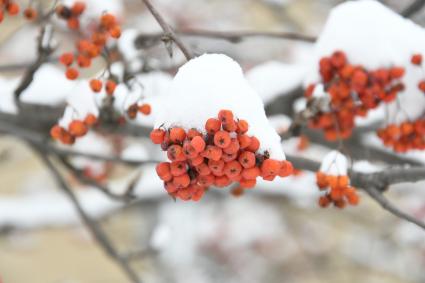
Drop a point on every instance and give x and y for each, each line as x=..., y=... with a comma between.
x=353, y=91
x=338, y=191
x=10, y=7
x=88, y=48
x=405, y=136
x=222, y=155
x=76, y=129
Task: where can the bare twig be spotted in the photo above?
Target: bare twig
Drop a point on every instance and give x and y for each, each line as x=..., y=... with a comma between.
x=98, y=233
x=168, y=31
x=413, y=8
x=387, y=205
x=44, y=50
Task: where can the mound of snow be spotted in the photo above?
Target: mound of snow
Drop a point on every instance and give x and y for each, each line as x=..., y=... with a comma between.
x=334, y=163
x=208, y=84
x=374, y=36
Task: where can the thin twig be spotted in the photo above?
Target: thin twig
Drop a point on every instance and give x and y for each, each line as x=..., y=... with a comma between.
x=413, y=8
x=168, y=30
x=387, y=205
x=98, y=233
x=44, y=50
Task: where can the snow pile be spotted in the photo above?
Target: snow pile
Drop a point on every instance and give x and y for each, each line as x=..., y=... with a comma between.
x=374, y=36
x=334, y=164
x=95, y=8
x=273, y=79
x=208, y=84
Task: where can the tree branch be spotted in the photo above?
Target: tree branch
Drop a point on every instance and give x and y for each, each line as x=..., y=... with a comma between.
x=413, y=8
x=96, y=230
x=168, y=31
x=44, y=50
x=387, y=205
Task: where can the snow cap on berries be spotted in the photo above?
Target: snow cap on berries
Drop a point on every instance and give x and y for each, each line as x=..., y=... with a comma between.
x=207, y=84
x=335, y=164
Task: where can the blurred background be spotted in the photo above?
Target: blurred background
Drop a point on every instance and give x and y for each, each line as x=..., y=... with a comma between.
x=276, y=233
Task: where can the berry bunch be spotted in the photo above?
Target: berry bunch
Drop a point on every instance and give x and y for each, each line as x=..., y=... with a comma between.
x=405, y=136
x=338, y=190
x=10, y=7
x=76, y=129
x=71, y=14
x=353, y=91
x=223, y=155
x=135, y=108
x=91, y=47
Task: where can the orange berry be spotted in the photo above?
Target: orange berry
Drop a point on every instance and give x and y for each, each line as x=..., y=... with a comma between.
x=352, y=196
x=90, y=120
x=73, y=23
x=340, y=203
x=66, y=59
x=286, y=169
x=67, y=138
x=212, y=126
x=247, y=159
x=178, y=168
x=115, y=31
x=96, y=85
x=251, y=173
x=244, y=141
x=247, y=184
x=342, y=181
x=110, y=87
x=157, y=136
x=324, y=201
x=145, y=109
x=416, y=59
x=56, y=132
x=163, y=168
x=198, y=143
x=1, y=16
x=170, y=187
x=108, y=20
x=212, y=152
x=199, y=193
x=177, y=135
x=270, y=167
x=216, y=167
x=225, y=116
x=222, y=139
x=336, y=193
x=71, y=74
x=222, y=181
x=237, y=192
x=78, y=8
x=232, y=169
x=338, y=59
x=206, y=180
x=132, y=111
x=254, y=145
x=242, y=127
x=30, y=13
x=197, y=160
x=193, y=133
x=233, y=147
x=230, y=126
x=396, y=72
x=189, y=150
x=203, y=169
x=175, y=153
x=77, y=128
x=406, y=128
x=98, y=38
x=181, y=181
x=83, y=61
x=227, y=157
x=13, y=8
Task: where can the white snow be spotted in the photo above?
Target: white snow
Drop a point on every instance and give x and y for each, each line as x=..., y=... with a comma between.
x=208, y=84
x=335, y=164
x=273, y=79
x=374, y=36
